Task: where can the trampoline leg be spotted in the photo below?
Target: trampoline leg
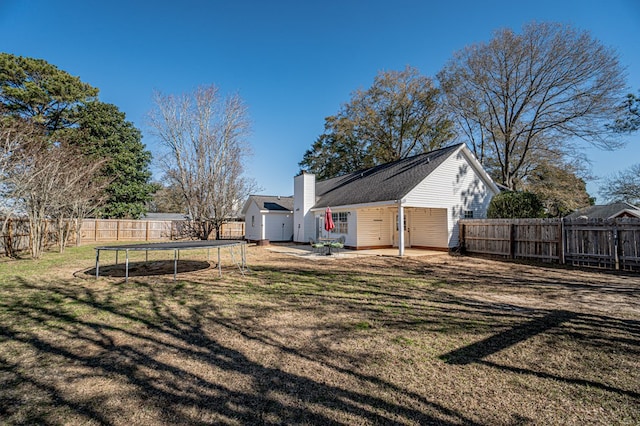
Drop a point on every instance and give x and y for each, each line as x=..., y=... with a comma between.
x=97, y=263
x=146, y=256
x=126, y=266
x=117, y=251
x=219, y=264
x=175, y=265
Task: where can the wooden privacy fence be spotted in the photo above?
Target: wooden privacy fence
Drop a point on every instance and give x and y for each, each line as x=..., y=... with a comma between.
x=109, y=230
x=609, y=244
x=94, y=230
x=147, y=230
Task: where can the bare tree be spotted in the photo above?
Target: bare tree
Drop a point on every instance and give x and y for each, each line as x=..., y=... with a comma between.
x=206, y=136
x=530, y=96
x=80, y=193
x=14, y=133
x=400, y=115
x=623, y=186
x=51, y=181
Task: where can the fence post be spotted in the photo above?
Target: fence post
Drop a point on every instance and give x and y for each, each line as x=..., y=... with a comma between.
x=462, y=242
x=8, y=242
x=512, y=238
x=561, y=244
x=95, y=229
x=118, y=230
x=146, y=235
x=616, y=257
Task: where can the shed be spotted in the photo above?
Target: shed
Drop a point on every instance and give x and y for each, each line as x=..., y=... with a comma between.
x=268, y=218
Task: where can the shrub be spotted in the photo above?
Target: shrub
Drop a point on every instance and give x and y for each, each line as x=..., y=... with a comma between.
x=515, y=205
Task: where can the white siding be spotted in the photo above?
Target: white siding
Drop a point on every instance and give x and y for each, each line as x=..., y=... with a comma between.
x=273, y=224
x=429, y=228
x=456, y=186
x=253, y=232
x=279, y=226
x=304, y=191
x=374, y=227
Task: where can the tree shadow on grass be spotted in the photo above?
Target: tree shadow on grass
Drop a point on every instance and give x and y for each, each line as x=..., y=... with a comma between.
x=451, y=314
x=499, y=341
x=168, y=363
x=177, y=364
x=478, y=352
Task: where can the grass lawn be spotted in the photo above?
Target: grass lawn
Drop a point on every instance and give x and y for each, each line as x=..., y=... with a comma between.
x=432, y=340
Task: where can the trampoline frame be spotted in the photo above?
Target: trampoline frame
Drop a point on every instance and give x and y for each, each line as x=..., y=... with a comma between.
x=176, y=246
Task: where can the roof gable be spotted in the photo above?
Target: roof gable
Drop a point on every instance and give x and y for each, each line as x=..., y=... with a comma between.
x=386, y=182
x=606, y=211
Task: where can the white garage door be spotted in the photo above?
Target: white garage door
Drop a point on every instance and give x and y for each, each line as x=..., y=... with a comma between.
x=429, y=228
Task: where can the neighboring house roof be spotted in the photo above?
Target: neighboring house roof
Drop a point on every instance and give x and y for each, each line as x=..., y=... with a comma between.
x=607, y=211
x=386, y=182
x=271, y=203
x=165, y=216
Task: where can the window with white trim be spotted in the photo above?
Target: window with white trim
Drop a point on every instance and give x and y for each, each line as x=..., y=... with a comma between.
x=468, y=214
x=340, y=222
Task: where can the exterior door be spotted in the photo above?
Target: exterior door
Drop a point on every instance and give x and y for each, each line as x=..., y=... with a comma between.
x=407, y=234
x=319, y=227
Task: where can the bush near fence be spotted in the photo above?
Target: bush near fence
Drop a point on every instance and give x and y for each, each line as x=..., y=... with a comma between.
x=609, y=244
x=110, y=230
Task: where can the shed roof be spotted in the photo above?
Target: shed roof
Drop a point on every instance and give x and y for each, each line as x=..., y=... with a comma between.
x=386, y=182
x=274, y=203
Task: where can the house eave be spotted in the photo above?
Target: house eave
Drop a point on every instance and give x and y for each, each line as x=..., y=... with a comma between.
x=628, y=211
x=277, y=211
x=358, y=206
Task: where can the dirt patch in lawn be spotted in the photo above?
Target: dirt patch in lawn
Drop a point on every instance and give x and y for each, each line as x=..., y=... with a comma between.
x=435, y=340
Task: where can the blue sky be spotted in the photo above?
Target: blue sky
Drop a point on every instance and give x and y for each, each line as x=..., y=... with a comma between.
x=293, y=62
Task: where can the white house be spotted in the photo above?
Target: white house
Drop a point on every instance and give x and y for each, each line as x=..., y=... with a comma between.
x=268, y=218
x=427, y=194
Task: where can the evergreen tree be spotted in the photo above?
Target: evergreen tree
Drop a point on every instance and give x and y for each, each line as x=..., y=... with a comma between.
x=104, y=132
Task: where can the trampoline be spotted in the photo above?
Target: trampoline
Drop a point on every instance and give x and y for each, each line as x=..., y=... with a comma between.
x=177, y=246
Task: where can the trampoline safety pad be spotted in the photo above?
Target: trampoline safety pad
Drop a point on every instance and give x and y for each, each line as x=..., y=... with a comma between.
x=177, y=246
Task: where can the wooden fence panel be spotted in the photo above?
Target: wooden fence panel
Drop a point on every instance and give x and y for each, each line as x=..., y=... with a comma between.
x=109, y=230
x=537, y=240
x=629, y=244
x=487, y=237
x=590, y=243
x=610, y=244
x=159, y=230
x=232, y=230
x=106, y=230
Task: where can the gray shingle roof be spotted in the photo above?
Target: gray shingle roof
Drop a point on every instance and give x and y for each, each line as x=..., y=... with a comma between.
x=603, y=211
x=386, y=182
x=273, y=203
x=165, y=216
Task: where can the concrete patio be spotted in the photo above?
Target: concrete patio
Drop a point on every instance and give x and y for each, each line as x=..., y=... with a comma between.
x=304, y=250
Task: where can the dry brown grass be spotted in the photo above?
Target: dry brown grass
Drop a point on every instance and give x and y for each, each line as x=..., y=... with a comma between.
x=434, y=340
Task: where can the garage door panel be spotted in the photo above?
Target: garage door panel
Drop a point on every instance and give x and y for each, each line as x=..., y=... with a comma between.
x=429, y=228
